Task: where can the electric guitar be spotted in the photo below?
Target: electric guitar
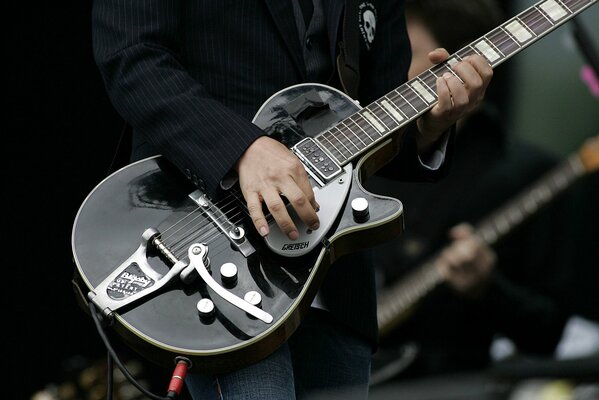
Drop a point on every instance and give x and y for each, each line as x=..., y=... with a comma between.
x=178, y=274
x=396, y=302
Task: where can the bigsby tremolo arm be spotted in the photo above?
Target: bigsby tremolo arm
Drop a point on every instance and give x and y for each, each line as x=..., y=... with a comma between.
x=197, y=256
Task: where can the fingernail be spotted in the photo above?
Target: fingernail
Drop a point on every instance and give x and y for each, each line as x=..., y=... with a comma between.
x=315, y=226
x=447, y=75
x=263, y=230
x=293, y=235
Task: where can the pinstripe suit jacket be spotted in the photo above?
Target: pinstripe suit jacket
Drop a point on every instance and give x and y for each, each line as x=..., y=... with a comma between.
x=189, y=75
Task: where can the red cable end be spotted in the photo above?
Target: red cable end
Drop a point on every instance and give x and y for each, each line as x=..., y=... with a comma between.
x=178, y=378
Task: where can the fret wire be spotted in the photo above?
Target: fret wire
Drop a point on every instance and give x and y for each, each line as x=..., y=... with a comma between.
x=373, y=112
x=398, y=100
x=431, y=76
x=369, y=123
x=431, y=90
x=580, y=3
x=362, y=129
x=354, y=133
x=384, y=115
x=407, y=102
x=403, y=101
x=396, y=107
x=565, y=6
x=539, y=21
x=528, y=29
x=345, y=141
x=508, y=41
x=415, y=99
x=331, y=147
x=493, y=44
x=366, y=125
x=512, y=37
x=334, y=145
x=444, y=66
x=363, y=135
x=346, y=137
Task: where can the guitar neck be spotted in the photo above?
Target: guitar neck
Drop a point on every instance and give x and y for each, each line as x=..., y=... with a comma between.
x=353, y=136
x=395, y=302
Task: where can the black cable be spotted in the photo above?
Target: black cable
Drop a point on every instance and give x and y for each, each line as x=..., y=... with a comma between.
x=109, y=380
x=117, y=361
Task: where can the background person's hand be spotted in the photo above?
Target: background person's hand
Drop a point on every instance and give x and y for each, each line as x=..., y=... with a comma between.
x=467, y=263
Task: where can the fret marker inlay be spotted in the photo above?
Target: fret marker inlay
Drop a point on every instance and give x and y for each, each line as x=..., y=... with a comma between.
x=422, y=91
x=391, y=110
x=519, y=32
x=487, y=51
x=554, y=10
x=373, y=121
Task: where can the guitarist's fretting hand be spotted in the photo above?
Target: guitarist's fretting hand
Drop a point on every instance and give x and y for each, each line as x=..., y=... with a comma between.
x=268, y=169
x=455, y=99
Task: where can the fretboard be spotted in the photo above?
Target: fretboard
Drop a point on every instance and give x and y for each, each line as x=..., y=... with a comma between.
x=374, y=123
x=395, y=302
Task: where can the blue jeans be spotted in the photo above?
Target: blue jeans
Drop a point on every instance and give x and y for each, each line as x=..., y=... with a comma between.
x=321, y=360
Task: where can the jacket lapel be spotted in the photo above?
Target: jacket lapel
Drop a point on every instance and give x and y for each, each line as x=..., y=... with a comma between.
x=282, y=13
x=334, y=13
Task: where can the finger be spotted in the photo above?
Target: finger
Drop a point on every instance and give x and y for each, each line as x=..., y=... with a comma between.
x=301, y=204
x=302, y=180
x=461, y=231
x=459, y=93
x=438, y=55
x=277, y=208
x=254, y=204
x=444, y=102
x=482, y=67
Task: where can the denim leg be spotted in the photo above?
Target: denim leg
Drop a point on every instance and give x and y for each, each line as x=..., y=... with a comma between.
x=269, y=379
x=329, y=361
x=322, y=360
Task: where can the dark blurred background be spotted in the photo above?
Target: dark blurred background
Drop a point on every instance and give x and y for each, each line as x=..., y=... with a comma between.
x=62, y=135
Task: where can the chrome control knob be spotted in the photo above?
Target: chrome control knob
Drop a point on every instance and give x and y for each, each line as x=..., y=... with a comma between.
x=359, y=207
x=228, y=274
x=253, y=298
x=205, y=308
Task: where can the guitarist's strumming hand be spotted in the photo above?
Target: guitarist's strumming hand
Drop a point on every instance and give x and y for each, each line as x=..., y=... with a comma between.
x=268, y=170
x=455, y=99
x=467, y=263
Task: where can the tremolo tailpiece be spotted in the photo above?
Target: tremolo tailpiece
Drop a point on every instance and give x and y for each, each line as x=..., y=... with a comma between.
x=135, y=278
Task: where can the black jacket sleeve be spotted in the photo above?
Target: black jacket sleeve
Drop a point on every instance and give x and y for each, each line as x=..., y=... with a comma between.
x=136, y=47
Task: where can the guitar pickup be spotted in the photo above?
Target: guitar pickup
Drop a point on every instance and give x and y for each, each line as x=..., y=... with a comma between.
x=318, y=160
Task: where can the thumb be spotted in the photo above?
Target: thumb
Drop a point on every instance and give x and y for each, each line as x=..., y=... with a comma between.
x=438, y=55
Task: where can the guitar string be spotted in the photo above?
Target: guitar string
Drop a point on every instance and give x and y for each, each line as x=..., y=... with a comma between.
x=410, y=97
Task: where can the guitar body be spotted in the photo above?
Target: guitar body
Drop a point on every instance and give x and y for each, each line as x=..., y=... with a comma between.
x=151, y=193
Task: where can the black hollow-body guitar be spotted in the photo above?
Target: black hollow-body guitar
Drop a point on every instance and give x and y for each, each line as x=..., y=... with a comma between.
x=180, y=274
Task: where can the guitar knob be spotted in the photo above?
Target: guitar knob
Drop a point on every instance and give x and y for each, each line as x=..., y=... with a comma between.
x=253, y=298
x=359, y=207
x=205, y=308
x=228, y=274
